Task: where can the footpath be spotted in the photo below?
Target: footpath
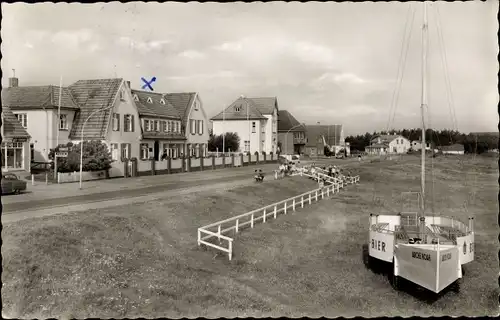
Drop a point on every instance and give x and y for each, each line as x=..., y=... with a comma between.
x=41, y=195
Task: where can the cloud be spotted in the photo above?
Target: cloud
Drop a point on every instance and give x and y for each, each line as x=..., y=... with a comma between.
x=142, y=46
x=72, y=38
x=205, y=76
x=192, y=54
x=277, y=47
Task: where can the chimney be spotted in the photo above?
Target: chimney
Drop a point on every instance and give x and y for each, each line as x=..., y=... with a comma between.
x=13, y=82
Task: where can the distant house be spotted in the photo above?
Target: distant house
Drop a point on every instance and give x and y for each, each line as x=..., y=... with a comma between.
x=388, y=144
x=255, y=120
x=453, y=149
x=15, y=153
x=133, y=123
x=319, y=136
x=417, y=145
x=291, y=133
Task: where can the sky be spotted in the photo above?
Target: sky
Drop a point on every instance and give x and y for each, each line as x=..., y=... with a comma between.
x=333, y=63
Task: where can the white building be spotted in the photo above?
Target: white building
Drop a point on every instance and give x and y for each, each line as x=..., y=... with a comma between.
x=388, y=144
x=454, y=149
x=417, y=145
x=255, y=120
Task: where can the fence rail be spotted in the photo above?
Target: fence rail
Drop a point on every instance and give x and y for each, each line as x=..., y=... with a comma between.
x=241, y=221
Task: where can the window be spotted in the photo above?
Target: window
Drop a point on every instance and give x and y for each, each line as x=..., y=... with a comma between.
x=397, y=141
x=200, y=127
x=196, y=105
x=12, y=155
x=253, y=127
x=237, y=108
x=192, y=125
x=162, y=101
x=144, y=151
x=128, y=123
x=114, y=151
x=136, y=98
x=163, y=126
x=274, y=126
x=122, y=95
x=116, y=122
x=247, y=145
x=169, y=126
x=263, y=126
x=23, y=118
x=126, y=152
x=150, y=100
x=157, y=125
x=63, y=122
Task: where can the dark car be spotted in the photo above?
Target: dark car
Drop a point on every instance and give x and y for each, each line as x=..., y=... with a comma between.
x=12, y=184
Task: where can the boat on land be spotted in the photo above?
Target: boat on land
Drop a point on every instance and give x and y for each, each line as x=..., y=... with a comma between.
x=424, y=248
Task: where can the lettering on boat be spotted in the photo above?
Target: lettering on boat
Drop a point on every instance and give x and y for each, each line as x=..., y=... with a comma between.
x=378, y=245
x=421, y=255
x=446, y=256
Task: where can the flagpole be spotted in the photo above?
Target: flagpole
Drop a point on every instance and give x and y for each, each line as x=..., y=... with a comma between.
x=248, y=120
x=223, y=130
x=59, y=112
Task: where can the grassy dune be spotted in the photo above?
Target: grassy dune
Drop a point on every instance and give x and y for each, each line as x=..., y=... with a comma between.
x=142, y=260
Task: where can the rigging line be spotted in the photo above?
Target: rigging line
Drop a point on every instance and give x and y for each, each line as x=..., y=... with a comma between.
x=404, y=67
x=445, y=66
x=399, y=66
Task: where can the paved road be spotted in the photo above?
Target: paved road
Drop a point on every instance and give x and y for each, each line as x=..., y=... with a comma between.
x=55, y=196
x=68, y=194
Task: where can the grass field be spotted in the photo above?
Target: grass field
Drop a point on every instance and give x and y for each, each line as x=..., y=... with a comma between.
x=142, y=260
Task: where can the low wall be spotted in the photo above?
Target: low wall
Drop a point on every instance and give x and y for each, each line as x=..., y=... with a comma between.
x=65, y=177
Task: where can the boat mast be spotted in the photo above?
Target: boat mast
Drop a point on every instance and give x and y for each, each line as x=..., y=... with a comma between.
x=424, y=100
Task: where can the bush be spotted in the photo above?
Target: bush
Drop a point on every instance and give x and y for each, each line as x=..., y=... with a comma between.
x=96, y=157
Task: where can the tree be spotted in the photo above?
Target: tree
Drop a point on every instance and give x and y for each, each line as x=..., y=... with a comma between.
x=231, y=142
x=96, y=157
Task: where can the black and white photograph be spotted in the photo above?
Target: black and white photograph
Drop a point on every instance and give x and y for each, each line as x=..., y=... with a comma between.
x=260, y=159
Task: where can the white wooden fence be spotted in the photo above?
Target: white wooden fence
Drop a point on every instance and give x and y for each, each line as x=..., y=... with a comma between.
x=217, y=229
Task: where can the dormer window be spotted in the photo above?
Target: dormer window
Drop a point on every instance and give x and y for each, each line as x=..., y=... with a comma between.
x=150, y=100
x=237, y=108
x=122, y=95
x=136, y=98
x=162, y=101
x=196, y=105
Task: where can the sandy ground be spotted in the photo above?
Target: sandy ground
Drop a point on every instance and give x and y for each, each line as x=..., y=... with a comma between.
x=141, y=259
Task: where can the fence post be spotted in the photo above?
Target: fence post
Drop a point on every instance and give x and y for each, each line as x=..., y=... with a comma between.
x=309, y=198
x=230, y=250
x=46, y=178
x=232, y=160
x=213, y=162
x=237, y=223
x=218, y=231
x=199, y=237
x=322, y=196
x=264, y=216
x=251, y=221
x=223, y=160
x=284, y=207
x=328, y=191
x=153, y=167
x=32, y=179
x=201, y=162
x=302, y=202
x=275, y=212
x=316, y=195
x=293, y=204
x=241, y=159
x=189, y=164
x=58, y=177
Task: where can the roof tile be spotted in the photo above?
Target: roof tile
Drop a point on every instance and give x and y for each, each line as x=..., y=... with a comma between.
x=12, y=128
x=240, y=109
x=286, y=122
x=93, y=95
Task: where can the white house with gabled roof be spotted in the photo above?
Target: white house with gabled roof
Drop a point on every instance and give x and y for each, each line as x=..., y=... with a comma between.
x=255, y=120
